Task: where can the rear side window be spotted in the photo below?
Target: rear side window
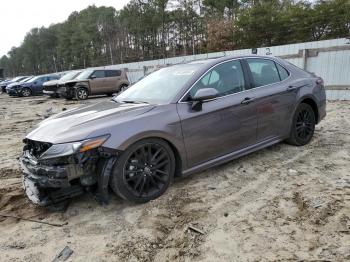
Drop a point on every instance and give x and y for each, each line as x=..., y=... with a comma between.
x=98, y=74
x=283, y=72
x=264, y=71
x=113, y=73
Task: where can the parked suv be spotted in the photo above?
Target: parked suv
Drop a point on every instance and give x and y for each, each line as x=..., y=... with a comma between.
x=95, y=82
x=34, y=86
x=50, y=88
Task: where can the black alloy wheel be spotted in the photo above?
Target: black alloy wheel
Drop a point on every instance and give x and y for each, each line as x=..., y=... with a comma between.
x=303, y=126
x=144, y=171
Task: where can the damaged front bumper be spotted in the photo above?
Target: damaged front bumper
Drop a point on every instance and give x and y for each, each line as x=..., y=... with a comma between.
x=47, y=184
x=65, y=91
x=50, y=182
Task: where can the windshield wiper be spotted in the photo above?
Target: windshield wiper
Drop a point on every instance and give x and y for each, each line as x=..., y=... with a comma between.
x=133, y=102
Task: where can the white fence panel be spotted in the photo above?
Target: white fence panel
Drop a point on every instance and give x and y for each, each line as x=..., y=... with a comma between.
x=329, y=59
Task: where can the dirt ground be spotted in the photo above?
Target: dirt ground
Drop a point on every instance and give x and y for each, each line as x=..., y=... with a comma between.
x=282, y=203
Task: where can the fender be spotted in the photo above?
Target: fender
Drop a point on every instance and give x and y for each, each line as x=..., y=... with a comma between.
x=299, y=100
x=176, y=144
x=82, y=84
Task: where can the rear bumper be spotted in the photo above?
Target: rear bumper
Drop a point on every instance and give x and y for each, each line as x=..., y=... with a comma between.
x=46, y=185
x=322, y=111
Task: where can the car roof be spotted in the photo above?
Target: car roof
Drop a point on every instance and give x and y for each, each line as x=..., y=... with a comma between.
x=215, y=60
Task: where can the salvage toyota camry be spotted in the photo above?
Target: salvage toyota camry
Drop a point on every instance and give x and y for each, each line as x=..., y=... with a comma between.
x=174, y=122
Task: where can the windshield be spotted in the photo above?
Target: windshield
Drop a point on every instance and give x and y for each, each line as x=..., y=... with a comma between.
x=33, y=79
x=70, y=76
x=16, y=79
x=85, y=74
x=160, y=87
x=26, y=79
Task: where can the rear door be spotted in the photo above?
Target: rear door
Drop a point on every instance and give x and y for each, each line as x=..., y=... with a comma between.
x=224, y=124
x=273, y=97
x=98, y=82
x=112, y=80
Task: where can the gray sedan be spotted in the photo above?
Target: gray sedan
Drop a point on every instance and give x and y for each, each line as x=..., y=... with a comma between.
x=176, y=121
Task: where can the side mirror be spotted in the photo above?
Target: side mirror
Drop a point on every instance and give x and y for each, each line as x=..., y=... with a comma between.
x=202, y=95
x=35, y=82
x=92, y=77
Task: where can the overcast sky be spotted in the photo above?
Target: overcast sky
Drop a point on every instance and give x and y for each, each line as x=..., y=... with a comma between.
x=17, y=17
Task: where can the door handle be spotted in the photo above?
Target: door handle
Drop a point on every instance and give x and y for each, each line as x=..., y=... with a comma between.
x=247, y=100
x=292, y=88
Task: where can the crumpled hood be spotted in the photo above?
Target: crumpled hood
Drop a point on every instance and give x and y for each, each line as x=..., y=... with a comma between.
x=75, y=81
x=85, y=122
x=12, y=85
x=51, y=82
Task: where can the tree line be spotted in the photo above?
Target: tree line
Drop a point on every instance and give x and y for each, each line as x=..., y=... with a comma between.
x=153, y=29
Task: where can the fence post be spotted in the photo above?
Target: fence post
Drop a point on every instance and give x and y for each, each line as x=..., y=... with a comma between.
x=305, y=55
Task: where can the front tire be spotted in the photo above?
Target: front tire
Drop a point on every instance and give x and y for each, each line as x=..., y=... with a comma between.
x=144, y=171
x=81, y=93
x=26, y=92
x=303, y=125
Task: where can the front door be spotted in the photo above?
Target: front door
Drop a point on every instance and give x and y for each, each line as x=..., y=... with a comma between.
x=223, y=125
x=98, y=82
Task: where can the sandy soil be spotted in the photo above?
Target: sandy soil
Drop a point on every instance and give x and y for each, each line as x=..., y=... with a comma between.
x=281, y=203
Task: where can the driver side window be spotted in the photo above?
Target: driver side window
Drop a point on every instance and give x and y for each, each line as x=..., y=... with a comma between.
x=226, y=78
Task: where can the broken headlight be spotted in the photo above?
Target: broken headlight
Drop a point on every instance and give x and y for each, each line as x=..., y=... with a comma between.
x=59, y=150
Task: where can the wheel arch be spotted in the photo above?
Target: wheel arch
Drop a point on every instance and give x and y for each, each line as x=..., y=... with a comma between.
x=121, y=84
x=311, y=102
x=83, y=85
x=176, y=147
x=30, y=88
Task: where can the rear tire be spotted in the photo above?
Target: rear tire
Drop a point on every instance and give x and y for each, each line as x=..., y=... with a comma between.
x=123, y=88
x=303, y=125
x=144, y=171
x=81, y=93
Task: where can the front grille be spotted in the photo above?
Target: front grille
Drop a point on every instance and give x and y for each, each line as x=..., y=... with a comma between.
x=51, y=88
x=37, y=148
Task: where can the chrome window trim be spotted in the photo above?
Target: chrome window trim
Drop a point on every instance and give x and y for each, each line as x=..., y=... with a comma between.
x=230, y=60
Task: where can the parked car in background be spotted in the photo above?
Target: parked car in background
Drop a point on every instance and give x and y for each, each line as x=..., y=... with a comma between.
x=4, y=83
x=94, y=82
x=174, y=122
x=16, y=79
x=50, y=88
x=11, y=88
x=34, y=86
